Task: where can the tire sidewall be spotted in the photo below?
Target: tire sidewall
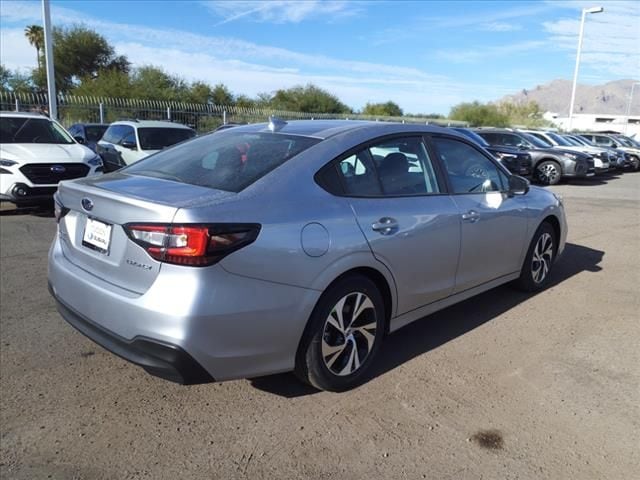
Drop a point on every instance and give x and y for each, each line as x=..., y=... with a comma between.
x=310, y=363
x=526, y=276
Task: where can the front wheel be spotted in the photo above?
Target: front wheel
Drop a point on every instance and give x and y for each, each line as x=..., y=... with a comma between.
x=548, y=172
x=343, y=336
x=534, y=275
x=635, y=163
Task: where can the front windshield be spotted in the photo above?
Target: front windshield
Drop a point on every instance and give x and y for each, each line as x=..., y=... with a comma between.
x=473, y=136
x=584, y=141
x=573, y=141
x=559, y=140
x=32, y=130
x=625, y=142
x=159, y=138
x=535, y=140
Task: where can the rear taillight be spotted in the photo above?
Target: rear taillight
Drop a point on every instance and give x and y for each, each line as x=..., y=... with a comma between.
x=59, y=210
x=193, y=245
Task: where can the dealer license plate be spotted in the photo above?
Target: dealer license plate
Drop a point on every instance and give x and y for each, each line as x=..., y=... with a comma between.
x=97, y=235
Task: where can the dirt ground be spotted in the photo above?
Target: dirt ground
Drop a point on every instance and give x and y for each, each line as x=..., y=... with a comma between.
x=502, y=386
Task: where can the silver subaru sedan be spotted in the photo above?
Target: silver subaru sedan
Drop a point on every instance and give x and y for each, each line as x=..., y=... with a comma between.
x=292, y=246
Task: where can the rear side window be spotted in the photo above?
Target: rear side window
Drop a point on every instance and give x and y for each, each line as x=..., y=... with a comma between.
x=159, y=138
x=229, y=161
x=95, y=132
x=395, y=167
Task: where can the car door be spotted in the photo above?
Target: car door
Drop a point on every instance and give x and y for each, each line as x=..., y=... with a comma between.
x=493, y=224
x=411, y=224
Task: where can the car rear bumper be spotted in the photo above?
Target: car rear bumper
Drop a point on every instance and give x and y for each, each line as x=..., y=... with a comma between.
x=158, y=358
x=231, y=326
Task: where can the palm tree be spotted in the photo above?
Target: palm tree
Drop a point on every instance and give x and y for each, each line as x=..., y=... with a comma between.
x=35, y=35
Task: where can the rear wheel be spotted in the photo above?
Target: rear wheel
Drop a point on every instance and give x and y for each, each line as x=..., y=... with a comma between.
x=548, y=172
x=534, y=275
x=343, y=336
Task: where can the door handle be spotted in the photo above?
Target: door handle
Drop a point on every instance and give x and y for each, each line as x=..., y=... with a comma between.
x=471, y=216
x=385, y=226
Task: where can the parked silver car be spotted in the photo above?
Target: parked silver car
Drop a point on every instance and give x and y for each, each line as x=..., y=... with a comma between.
x=292, y=246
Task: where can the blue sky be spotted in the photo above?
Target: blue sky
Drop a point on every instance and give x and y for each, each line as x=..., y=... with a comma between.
x=425, y=56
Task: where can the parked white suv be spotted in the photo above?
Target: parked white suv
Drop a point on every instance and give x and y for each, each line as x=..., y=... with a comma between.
x=35, y=154
x=126, y=142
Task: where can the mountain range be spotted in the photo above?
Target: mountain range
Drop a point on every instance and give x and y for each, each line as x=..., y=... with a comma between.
x=611, y=98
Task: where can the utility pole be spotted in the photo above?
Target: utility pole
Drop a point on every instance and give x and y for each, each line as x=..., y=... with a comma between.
x=48, y=54
x=585, y=11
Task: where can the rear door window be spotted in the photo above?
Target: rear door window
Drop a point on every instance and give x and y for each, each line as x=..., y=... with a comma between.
x=159, y=138
x=229, y=160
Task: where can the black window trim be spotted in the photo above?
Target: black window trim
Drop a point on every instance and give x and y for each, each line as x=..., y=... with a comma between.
x=443, y=186
x=488, y=156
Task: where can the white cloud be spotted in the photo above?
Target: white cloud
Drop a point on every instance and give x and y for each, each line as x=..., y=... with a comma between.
x=611, y=46
x=482, y=54
x=280, y=11
x=500, y=27
x=15, y=51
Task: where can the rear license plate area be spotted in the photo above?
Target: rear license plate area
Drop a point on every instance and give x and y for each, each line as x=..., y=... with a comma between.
x=97, y=235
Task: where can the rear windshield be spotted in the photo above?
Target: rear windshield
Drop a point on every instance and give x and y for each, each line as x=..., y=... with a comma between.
x=95, y=132
x=32, y=130
x=159, y=138
x=228, y=160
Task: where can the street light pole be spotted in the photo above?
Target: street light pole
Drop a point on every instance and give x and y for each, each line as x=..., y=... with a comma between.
x=48, y=55
x=626, y=127
x=575, y=73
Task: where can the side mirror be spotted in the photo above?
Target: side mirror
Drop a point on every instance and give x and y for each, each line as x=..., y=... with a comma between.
x=523, y=146
x=518, y=185
x=129, y=145
x=80, y=140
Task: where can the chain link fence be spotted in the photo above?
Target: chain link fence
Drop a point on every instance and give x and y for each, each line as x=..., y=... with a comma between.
x=200, y=116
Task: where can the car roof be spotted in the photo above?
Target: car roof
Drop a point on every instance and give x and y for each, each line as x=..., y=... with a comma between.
x=150, y=123
x=23, y=114
x=324, y=129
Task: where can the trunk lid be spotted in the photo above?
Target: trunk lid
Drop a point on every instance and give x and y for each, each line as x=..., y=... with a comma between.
x=92, y=233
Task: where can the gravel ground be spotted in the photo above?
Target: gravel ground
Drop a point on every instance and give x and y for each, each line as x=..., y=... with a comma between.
x=504, y=385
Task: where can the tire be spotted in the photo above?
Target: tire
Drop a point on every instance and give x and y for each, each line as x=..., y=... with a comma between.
x=548, y=172
x=336, y=357
x=538, y=262
x=635, y=163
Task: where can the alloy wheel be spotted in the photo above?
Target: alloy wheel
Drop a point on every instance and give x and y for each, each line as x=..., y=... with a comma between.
x=548, y=172
x=349, y=334
x=542, y=258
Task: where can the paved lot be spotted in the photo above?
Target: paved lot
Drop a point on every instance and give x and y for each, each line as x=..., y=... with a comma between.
x=505, y=385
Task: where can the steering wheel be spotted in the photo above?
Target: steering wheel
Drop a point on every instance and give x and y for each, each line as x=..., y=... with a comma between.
x=476, y=170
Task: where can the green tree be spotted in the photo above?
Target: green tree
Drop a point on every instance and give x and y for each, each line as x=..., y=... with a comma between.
x=221, y=95
x=108, y=83
x=155, y=84
x=35, y=36
x=479, y=114
x=79, y=52
x=309, y=98
x=14, y=81
x=523, y=114
x=388, y=109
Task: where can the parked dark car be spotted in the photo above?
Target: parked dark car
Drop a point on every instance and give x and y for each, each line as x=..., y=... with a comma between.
x=516, y=160
x=549, y=165
x=617, y=141
x=88, y=134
